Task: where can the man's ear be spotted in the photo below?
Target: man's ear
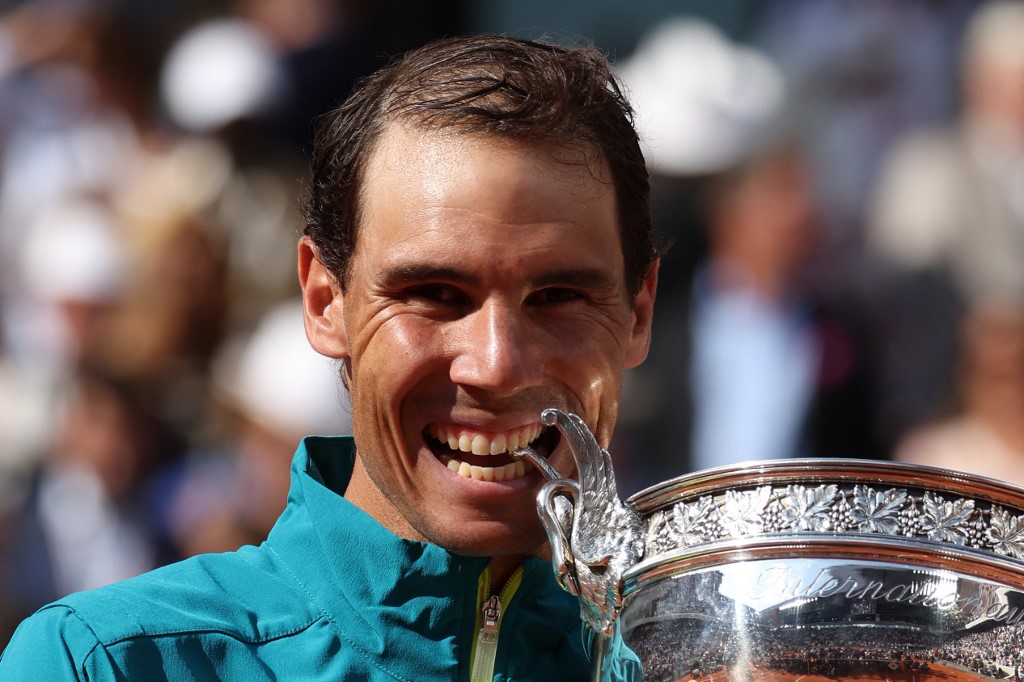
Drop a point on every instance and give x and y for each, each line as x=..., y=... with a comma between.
x=322, y=304
x=643, y=315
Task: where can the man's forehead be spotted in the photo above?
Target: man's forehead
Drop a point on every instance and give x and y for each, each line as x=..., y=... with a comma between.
x=439, y=146
x=434, y=191
x=415, y=172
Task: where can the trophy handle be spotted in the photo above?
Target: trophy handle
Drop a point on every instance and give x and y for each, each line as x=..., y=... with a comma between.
x=595, y=537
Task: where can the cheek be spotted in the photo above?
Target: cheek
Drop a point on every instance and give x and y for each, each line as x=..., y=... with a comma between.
x=598, y=366
x=395, y=355
x=592, y=370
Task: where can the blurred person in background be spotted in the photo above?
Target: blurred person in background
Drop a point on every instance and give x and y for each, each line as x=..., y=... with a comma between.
x=89, y=517
x=272, y=388
x=82, y=137
x=71, y=275
x=171, y=322
x=73, y=270
x=856, y=83
x=750, y=359
x=92, y=436
x=948, y=218
x=243, y=89
x=78, y=116
x=777, y=370
x=703, y=102
x=757, y=364
x=984, y=430
x=322, y=47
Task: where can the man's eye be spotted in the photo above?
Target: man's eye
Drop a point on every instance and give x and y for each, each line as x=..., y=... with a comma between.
x=555, y=296
x=435, y=293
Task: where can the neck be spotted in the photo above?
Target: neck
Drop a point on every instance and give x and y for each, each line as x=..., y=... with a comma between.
x=502, y=568
x=363, y=493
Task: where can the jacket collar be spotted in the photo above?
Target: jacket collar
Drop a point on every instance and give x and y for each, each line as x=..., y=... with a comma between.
x=409, y=607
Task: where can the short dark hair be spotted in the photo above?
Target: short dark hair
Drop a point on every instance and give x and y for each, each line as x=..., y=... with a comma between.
x=486, y=85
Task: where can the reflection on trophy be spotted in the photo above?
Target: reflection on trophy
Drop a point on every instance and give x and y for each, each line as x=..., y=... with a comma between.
x=790, y=570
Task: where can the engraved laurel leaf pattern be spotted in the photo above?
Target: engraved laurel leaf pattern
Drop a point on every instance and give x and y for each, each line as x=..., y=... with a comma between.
x=742, y=512
x=691, y=520
x=946, y=521
x=861, y=509
x=1007, y=533
x=876, y=511
x=808, y=508
x=660, y=537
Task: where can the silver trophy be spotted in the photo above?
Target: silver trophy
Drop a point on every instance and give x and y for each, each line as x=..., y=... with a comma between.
x=790, y=570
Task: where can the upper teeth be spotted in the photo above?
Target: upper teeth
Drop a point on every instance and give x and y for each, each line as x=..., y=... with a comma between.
x=481, y=443
x=485, y=444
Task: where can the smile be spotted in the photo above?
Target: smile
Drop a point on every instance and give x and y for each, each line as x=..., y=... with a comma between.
x=485, y=456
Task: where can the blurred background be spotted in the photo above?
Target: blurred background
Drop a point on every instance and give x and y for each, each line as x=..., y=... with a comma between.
x=843, y=182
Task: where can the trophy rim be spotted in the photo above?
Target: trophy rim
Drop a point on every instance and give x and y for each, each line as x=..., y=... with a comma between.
x=819, y=470
x=804, y=504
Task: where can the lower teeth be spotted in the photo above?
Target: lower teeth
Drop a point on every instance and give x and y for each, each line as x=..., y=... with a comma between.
x=478, y=473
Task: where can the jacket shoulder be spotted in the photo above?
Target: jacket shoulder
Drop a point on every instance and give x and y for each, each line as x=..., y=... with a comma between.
x=53, y=645
x=247, y=595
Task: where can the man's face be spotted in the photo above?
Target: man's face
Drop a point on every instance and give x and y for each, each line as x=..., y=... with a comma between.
x=487, y=284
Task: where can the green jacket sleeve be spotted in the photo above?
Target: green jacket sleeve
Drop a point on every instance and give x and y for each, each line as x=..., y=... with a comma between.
x=54, y=644
x=617, y=661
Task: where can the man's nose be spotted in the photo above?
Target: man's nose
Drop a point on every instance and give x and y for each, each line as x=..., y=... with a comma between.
x=495, y=351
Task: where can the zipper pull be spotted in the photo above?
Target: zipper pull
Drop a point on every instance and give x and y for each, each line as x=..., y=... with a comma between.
x=487, y=641
x=492, y=614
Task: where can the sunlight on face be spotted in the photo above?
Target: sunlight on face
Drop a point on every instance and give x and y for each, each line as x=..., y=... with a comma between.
x=487, y=284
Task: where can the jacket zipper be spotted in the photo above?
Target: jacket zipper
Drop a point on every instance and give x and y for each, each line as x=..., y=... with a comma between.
x=492, y=609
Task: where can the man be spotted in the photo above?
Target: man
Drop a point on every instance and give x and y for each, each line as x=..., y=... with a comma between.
x=946, y=222
x=478, y=248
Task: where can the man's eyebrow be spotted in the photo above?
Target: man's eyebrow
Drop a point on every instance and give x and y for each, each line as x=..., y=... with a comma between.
x=594, y=279
x=403, y=273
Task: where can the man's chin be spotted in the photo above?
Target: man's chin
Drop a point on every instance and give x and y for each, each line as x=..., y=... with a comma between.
x=493, y=544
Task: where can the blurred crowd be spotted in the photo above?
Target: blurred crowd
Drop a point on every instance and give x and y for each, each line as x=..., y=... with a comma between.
x=844, y=188
x=845, y=193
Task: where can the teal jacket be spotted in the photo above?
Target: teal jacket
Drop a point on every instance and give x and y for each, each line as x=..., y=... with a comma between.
x=330, y=595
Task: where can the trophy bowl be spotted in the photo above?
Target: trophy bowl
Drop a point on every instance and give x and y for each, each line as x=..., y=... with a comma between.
x=786, y=570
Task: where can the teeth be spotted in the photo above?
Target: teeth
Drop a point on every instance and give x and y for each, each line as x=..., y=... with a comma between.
x=498, y=445
x=508, y=472
x=480, y=444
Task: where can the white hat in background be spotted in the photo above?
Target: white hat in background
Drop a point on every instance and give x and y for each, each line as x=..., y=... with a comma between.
x=218, y=72
x=702, y=102
x=276, y=378
x=75, y=252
